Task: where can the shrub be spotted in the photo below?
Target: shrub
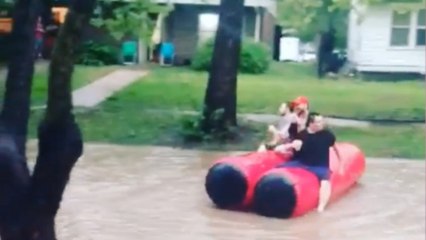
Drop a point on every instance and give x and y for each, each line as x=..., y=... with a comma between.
x=254, y=57
x=96, y=54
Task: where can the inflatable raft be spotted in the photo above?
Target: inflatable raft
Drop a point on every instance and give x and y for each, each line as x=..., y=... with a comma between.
x=252, y=180
x=292, y=192
x=230, y=182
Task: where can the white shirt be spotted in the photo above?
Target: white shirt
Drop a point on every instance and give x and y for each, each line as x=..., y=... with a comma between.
x=284, y=124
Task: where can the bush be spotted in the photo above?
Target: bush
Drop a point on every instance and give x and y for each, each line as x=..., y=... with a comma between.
x=96, y=54
x=190, y=130
x=202, y=57
x=254, y=57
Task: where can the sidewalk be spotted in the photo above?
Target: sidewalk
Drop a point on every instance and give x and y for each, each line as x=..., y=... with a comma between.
x=93, y=94
x=270, y=119
x=98, y=91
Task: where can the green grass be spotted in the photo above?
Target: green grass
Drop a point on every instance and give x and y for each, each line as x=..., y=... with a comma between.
x=123, y=125
x=82, y=76
x=183, y=89
x=125, y=119
x=387, y=141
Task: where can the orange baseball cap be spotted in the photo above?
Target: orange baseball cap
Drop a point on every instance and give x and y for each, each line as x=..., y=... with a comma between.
x=299, y=101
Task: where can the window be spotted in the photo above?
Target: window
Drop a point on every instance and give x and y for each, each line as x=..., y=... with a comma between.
x=400, y=28
x=421, y=28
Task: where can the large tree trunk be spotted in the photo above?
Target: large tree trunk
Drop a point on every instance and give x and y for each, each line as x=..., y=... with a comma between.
x=220, y=103
x=28, y=205
x=16, y=107
x=14, y=174
x=60, y=141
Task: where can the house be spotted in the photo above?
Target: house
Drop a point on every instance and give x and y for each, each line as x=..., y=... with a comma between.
x=190, y=23
x=387, y=38
x=193, y=21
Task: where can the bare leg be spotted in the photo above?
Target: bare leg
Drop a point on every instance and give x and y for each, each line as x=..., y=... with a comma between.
x=275, y=137
x=324, y=195
x=261, y=148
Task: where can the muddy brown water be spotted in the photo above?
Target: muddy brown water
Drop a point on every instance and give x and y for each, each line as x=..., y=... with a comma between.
x=158, y=193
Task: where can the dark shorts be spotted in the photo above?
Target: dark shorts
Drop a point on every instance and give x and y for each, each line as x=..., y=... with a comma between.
x=323, y=173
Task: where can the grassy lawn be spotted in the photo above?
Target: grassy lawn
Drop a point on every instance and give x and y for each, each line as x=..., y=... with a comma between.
x=83, y=75
x=123, y=125
x=126, y=119
x=183, y=89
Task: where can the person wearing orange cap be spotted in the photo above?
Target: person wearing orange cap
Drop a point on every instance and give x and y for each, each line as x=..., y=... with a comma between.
x=293, y=118
x=300, y=106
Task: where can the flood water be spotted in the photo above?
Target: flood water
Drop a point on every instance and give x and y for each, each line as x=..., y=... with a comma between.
x=158, y=193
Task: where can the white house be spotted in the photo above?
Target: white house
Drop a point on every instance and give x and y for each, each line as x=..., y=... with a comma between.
x=388, y=38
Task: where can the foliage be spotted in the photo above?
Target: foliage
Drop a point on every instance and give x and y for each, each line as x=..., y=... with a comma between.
x=191, y=131
x=130, y=18
x=254, y=57
x=96, y=54
x=203, y=56
x=308, y=17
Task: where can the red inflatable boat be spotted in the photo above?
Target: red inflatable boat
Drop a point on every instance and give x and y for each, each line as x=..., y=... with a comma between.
x=292, y=192
x=252, y=179
x=230, y=182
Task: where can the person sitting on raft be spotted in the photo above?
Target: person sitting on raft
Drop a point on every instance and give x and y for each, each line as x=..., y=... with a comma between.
x=280, y=134
x=311, y=148
x=300, y=107
x=293, y=117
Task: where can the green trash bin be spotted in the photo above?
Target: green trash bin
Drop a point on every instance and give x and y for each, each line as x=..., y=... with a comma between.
x=129, y=52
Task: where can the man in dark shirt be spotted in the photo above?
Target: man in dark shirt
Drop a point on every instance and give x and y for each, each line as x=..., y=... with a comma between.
x=312, y=152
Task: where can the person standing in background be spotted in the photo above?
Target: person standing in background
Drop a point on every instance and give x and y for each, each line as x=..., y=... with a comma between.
x=39, y=34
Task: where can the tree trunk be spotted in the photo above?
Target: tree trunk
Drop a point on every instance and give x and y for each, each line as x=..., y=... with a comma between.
x=220, y=103
x=14, y=174
x=28, y=205
x=326, y=40
x=60, y=141
x=16, y=107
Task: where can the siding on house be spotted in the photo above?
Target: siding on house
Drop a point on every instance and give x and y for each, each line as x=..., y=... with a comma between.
x=181, y=27
x=369, y=45
x=267, y=32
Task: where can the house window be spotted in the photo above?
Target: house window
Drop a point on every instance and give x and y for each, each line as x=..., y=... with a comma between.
x=400, y=28
x=421, y=28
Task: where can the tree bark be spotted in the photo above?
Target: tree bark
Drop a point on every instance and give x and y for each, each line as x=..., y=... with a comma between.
x=220, y=103
x=15, y=177
x=16, y=107
x=60, y=140
x=28, y=204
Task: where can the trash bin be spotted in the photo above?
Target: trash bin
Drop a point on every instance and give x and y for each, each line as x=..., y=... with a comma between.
x=167, y=53
x=129, y=52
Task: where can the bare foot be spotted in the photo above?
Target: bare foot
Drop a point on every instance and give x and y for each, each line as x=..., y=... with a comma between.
x=261, y=148
x=320, y=209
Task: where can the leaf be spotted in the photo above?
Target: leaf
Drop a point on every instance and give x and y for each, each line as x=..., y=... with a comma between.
x=97, y=22
x=133, y=18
